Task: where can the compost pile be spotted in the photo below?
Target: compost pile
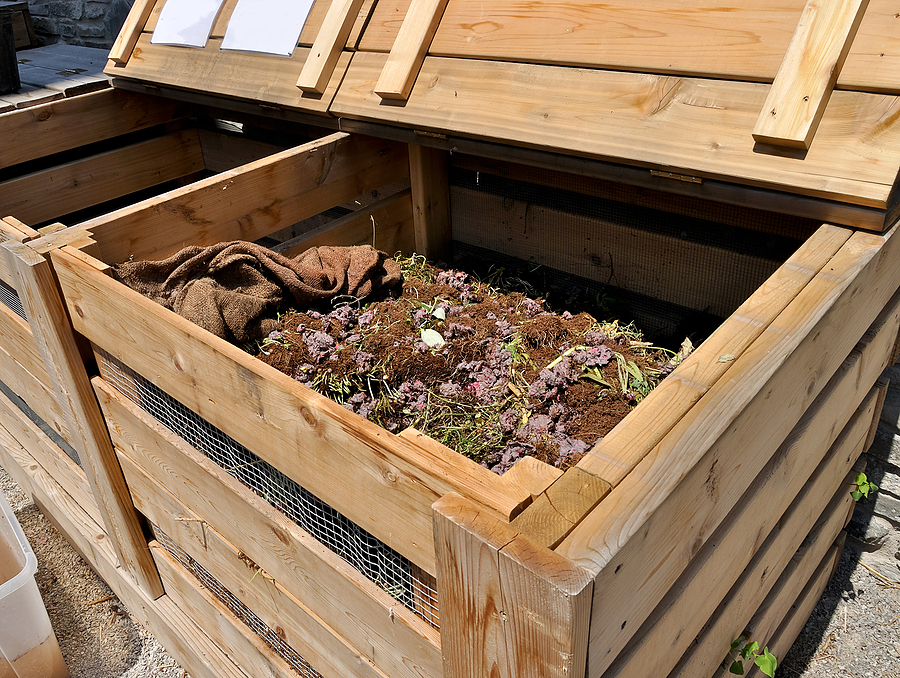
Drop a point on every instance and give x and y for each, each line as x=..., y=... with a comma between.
x=493, y=375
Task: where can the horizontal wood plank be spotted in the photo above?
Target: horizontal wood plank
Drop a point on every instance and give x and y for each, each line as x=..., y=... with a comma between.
x=686, y=126
x=311, y=573
x=638, y=551
x=187, y=644
x=70, y=123
x=626, y=445
x=224, y=628
x=262, y=78
x=729, y=578
x=52, y=193
x=387, y=225
x=744, y=40
x=263, y=196
x=803, y=84
x=254, y=587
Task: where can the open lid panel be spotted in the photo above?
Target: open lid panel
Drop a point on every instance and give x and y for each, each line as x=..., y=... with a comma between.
x=787, y=96
x=304, y=80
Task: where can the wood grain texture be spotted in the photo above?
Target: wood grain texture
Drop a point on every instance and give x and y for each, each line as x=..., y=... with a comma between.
x=262, y=196
x=641, y=537
x=802, y=87
x=800, y=611
x=330, y=40
x=743, y=40
x=54, y=336
x=430, y=184
x=223, y=627
x=70, y=123
x=52, y=193
x=261, y=78
x=687, y=126
x=387, y=225
x=247, y=582
x=531, y=476
x=626, y=445
x=562, y=506
x=510, y=607
x=729, y=578
x=131, y=31
x=189, y=646
x=328, y=587
x=409, y=49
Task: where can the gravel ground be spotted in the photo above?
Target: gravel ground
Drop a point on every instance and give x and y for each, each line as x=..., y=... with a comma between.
x=97, y=635
x=853, y=632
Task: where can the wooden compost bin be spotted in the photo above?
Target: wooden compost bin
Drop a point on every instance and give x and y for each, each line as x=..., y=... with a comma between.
x=715, y=509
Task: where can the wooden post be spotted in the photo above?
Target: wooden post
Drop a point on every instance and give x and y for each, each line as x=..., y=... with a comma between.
x=131, y=31
x=323, y=57
x=55, y=337
x=430, y=183
x=510, y=608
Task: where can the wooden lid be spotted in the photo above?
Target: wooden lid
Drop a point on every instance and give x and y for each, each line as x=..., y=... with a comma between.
x=738, y=91
x=306, y=81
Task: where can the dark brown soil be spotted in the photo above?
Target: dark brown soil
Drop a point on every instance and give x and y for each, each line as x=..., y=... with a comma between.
x=502, y=377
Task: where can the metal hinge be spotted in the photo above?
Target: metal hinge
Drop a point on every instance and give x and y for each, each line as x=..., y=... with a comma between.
x=677, y=177
x=433, y=135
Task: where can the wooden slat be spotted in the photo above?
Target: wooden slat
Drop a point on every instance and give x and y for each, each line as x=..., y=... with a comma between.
x=189, y=646
x=690, y=127
x=562, y=506
x=401, y=69
x=531, y=476
x=801, y=609
x=801, y=90
x=222, y=626
x=683, y=489
x=742, y=560
x=430, y=184
x=263, y=196
x=387, y=225
x=509, y=607
x=403, y=645
x=60, y=190
x=261, y=78
x=63, y=125
x=53, y=333
x=50, y=457
x=645, y=426
x=131, y=30
x=743, y=40
x=330, y=40
x=223, y=152
x=238, y=573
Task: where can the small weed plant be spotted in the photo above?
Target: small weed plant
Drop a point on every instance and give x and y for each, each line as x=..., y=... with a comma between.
x=743, y=650
x=863, y=487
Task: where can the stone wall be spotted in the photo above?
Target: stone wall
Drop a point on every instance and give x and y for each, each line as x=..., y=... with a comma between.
x=876, y=520
x=90, y=23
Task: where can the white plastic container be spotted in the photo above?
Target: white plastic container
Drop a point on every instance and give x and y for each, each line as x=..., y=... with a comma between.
x=28, y=647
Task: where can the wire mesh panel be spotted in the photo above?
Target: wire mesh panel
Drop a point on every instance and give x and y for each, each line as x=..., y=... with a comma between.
x=241, y=611
x=10, y=298
x=410, y=585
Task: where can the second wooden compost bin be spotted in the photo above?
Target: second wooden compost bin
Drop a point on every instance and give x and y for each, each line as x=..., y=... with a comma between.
x=714, y=510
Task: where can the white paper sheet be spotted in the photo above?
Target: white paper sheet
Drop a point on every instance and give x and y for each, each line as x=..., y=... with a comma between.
x=185, y=22
x=266, y=26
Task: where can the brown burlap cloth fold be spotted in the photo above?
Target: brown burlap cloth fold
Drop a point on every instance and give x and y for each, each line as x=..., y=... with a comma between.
x=235, y=289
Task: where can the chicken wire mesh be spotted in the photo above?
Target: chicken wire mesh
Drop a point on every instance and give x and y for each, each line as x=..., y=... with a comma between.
x=10, y=298
x=404, y=581
x=241, y=611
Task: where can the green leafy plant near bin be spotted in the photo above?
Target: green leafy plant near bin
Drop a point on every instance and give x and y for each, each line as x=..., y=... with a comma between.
x=743, y=650
x=863, y=487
